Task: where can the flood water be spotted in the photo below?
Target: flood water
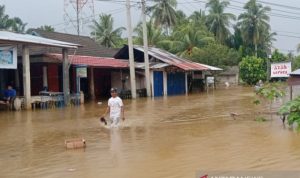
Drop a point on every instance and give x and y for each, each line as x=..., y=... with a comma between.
x=170, y=137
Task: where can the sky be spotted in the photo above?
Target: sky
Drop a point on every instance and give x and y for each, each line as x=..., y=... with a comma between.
x=56, y=13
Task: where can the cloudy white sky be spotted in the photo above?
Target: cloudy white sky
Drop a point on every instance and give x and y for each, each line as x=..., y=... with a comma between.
x=285, y=19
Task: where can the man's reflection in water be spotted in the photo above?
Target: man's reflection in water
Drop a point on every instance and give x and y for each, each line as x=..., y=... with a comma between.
x=115, y=145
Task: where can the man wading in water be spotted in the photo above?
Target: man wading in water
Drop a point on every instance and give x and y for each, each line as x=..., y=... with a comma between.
x=115, y=108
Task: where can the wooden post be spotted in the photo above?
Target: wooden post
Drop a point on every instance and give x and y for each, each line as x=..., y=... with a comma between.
x=92, y=83
x=45, y=77
x=66, y=84
x=26, y=77
x=291, y=92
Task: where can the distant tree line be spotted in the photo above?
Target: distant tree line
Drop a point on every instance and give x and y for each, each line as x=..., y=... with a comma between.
x=201, y=37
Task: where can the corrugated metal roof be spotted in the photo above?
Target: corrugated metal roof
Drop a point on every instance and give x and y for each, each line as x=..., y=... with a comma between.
x=296, y=72
x=172, y=59
x=141, y=65
x=212, y=67
x=6, y=37
x=93, y=61
x=89, y=46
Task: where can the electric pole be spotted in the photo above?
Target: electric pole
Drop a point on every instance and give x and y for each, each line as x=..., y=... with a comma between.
x=77, y=17
x=146, y=57
x=130, y=51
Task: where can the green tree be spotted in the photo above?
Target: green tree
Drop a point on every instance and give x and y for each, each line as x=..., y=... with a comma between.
x=198, y=17
x=296, y=63
x=253, y=69
x=187, y=37
x=47, y=28
x=254, y=23
x=17, y=25
x=164, y=13
x=216, y=55
x=13, y=24
x=180, y=18
x=5, y=21
x=154, y=34
x=278, y=56
x=218, y=21
x=104, y=33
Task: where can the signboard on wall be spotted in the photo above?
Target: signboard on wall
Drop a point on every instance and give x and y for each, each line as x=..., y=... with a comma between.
x=8, y=57
x=210, y=80
x=81, y=72
x=282, y=69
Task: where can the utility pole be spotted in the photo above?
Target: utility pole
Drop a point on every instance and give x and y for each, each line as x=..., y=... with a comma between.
x=77, y=15
x=146, y=57
x=130, y=51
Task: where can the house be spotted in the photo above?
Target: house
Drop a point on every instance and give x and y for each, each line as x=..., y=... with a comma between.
x=170, y=74
x=15, y=74
x=294, y=83
x=230, y=75
x=95, y=62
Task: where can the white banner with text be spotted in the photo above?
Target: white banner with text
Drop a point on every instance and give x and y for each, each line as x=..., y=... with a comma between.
x=282, y=69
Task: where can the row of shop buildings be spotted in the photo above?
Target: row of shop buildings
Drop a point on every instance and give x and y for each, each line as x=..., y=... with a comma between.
x=94, y=69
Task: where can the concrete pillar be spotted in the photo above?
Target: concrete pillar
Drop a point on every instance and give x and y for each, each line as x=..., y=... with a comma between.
x=66, y=78
x=45, y=77
x=291, y=92
x=26, y=77
x=92, y=84
x=186, y=83
x=165, y=76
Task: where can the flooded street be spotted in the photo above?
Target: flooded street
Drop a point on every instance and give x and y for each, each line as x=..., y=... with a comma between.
x=172, y=137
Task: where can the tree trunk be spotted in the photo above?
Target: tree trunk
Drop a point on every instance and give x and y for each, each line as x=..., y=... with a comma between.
x=255, y=50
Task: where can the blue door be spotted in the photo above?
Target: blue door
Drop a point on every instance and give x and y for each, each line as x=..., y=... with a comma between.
x=158, y=83
x=176, y=83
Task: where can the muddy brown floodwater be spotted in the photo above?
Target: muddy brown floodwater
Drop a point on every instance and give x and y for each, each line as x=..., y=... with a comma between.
x=170, y=137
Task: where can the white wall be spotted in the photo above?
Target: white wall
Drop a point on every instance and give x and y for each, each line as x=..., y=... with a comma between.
x=116, y=80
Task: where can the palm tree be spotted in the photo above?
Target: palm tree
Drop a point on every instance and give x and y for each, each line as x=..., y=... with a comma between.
x=154, y=34
x=103, y=32
x=164, y=13
x=17, y=25
x=217, y=20
x=198, y=17
x=254, y=22
x=188, y=38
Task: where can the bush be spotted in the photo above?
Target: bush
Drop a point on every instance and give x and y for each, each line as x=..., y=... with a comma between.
x=253, y=69
x=292, y=108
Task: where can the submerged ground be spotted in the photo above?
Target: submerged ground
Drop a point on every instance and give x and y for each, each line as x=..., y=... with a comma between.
x=163, y=137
